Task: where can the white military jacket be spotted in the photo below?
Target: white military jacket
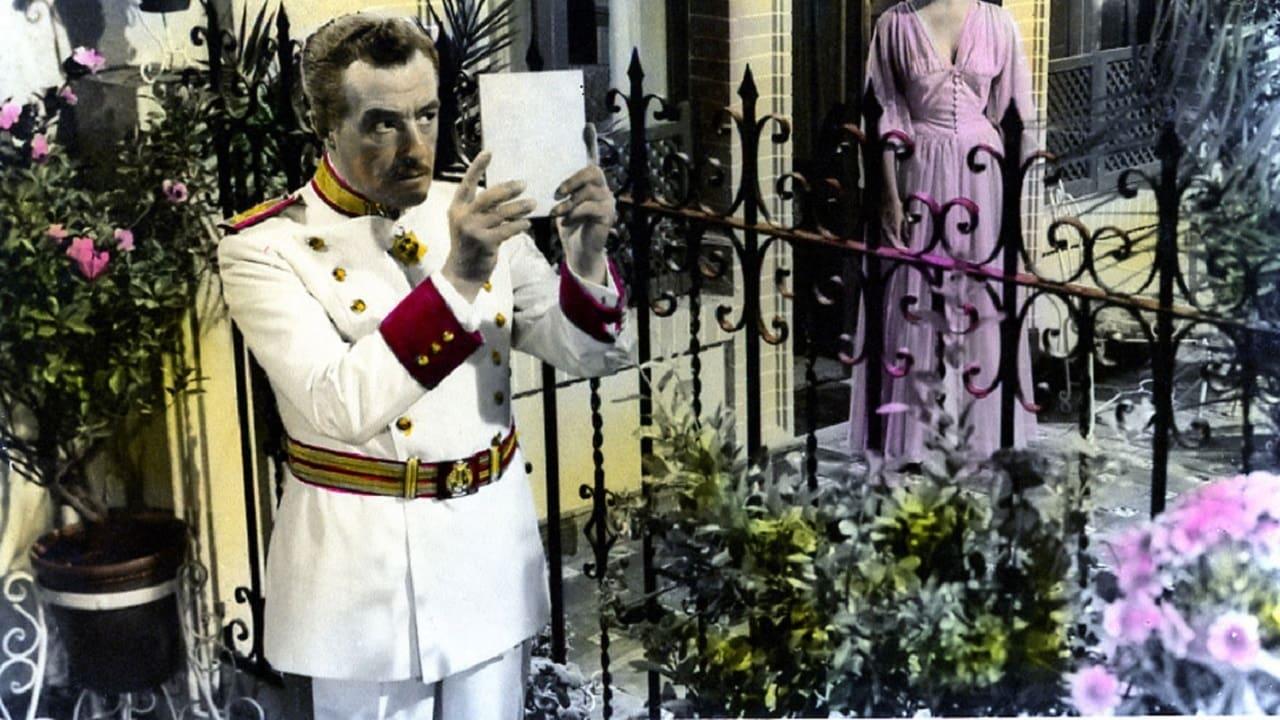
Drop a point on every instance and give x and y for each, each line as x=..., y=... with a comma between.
x=381, y=357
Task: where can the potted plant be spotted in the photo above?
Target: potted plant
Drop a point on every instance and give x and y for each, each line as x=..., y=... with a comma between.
x=1188, y=617
x=947, y=591
x=101, y=270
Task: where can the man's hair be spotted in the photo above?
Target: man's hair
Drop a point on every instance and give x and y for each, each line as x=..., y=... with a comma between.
x=379, y=41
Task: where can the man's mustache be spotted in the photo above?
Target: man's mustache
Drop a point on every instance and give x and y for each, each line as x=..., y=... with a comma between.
x=410, y=169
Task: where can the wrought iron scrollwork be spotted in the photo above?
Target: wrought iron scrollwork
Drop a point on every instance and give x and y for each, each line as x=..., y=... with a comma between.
x=25, y=648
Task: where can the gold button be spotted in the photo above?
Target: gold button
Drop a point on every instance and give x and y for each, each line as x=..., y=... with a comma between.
x=358, y=306
x=404, y=425
x=423, y=360
x=497, y=357
x=339, y=274
x=316, y=243
x=498, y=397
x=435, y=348
x=500, y=319
x=488, y=286
x=447, y=336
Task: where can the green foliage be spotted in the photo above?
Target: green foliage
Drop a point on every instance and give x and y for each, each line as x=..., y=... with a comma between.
x=555, y=691
x=947, y=590
x=80, y=355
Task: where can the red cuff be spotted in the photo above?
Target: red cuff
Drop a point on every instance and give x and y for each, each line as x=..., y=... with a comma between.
x=425, y=336
x=585, y=311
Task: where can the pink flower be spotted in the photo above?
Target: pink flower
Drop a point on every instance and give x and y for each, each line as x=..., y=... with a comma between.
x=39, y=147
x=1175, y=634
x=1265, y=539
x=9, y=114
x=1095, y=691
x=1262, y=494
x=1233, y=639
x=91, y=59
x=175, y=192
x=1131, y=620
x=91, y=262
x=124, y=240
x=1207, y=521
x=1135, y=563
x=68, y=95
x=57, y=233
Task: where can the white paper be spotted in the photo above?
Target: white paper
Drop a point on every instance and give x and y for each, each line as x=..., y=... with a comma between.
x=533, y=123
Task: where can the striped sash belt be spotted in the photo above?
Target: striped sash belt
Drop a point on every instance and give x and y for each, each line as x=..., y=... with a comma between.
x=407, y=479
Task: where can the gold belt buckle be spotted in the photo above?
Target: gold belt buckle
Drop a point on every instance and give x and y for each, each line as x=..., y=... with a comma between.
x=411, y=478
x=460, y=480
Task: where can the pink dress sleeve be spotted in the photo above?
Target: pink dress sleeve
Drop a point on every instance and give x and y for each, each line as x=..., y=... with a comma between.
x=1013, y=83
x=884, y=74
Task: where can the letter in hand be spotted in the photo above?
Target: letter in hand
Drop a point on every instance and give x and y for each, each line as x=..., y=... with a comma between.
x=479, y=222
x=588, y=204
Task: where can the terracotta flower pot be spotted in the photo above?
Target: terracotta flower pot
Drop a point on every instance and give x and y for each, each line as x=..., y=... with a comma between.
x=111, y=589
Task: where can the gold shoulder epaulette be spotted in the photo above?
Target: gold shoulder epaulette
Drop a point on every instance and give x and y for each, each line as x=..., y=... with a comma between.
x=258, y=213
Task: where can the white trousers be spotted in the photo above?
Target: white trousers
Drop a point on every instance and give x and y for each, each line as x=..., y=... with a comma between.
x=492, y=690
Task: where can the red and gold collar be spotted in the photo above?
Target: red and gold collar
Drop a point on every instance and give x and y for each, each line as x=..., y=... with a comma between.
x=340, y=196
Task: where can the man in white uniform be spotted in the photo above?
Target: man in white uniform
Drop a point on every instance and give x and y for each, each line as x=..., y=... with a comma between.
x=405, y=572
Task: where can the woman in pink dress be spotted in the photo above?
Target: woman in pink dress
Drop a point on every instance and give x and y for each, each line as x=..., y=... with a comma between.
x=945, y=72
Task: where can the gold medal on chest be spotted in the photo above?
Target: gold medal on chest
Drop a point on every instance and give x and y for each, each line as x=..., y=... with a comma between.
x=407, y=248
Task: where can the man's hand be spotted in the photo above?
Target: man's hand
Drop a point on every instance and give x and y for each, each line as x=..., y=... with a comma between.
x=589, y=204
x=479, y=224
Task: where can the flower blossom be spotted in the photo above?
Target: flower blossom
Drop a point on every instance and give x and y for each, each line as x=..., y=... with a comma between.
x=68, y=95
x=1175, y=634
x=1233, y=639
x=175, y=192
x=124, y=240
x=1265, y=542
x=1206, y=521
x=1262, y=495
x=1131, y=620
x=9, y=114
x=92, y=262
x=1136, y=563
x=1095, y=691
x=91, y=59
x=57, y=232
x=39, y=147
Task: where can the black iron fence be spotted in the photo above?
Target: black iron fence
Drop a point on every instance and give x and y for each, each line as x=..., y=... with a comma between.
x=671, y=204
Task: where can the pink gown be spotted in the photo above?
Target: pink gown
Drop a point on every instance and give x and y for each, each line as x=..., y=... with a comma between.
x=946, y=109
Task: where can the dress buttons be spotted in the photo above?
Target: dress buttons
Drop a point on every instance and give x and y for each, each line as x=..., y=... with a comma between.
x=447, y=336
x=500, y=319
x=404, y=425
x=435, y=348
x=498, y=397
x=488, y=286
x=316, y=243
x=339, y=274
x=358, y=306
x=423, y=360
x=496, y=357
